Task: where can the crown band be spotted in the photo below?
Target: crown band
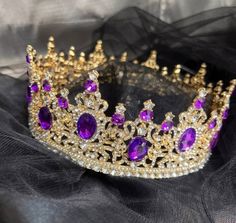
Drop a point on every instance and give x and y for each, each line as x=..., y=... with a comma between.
x=114, y=145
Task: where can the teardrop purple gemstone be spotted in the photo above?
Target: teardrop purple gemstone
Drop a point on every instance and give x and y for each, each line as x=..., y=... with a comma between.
x=225, y=113
x=27, y=58
x=199, y=103
x=45, y=118
x=214, y=140
x=187, y=139
x=212, y=124
x=86, y=126
x=138, y=148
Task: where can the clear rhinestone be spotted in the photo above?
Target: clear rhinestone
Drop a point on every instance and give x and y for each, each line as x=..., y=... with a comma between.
x=202, y=92
x=142, y=131
x=149, y=104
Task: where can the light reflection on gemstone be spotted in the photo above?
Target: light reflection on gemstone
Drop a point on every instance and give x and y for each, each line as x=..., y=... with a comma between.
x=45, y=118
x=187, y=139
x=146, y=115
x=138, y=148
x=86, y=126
x=167, y=126
x=62, y=102
x=90, y=86
x=118, y=119
x=212, y=124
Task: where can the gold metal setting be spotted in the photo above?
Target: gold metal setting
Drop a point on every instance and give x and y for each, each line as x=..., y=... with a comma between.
x=106, y=151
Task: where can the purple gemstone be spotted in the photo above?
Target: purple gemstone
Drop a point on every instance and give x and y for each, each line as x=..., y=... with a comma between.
x=225, y=113
x=146, y=115
x=118, y=119
x=46, y=86
x=187, y=139
x=62, y=102
x=214, y=140
x=138, y=148
x=27, y=59
x=28, y=95
x=212, y=124
x=199, y=103
x=45, y=118
x=167, y=126
x=90, y=86
x=34, y=87
x=86, y=126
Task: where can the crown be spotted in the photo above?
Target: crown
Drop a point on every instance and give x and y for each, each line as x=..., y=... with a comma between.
x=83, y=133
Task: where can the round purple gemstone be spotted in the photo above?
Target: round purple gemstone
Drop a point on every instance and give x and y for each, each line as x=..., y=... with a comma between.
x=199, y=103
x=167, y=126
x=118, y=119
x=45, y=118
x=27, y=58
x=28, y=95
x=214, y=140
x=62, y=102
x=86, y=126
x=187, y=139
x=90, y=86
x=46, y=86
x=146, y=115
x=225, y=113
x=34, y=87
x=138, y=148
x=212, y=124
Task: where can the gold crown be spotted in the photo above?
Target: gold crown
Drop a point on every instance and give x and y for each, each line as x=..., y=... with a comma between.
x=114, y=145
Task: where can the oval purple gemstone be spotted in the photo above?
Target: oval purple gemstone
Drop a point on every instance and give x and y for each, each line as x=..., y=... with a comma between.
x=187, y=139
x=34, y=87
x=28, y=95
x=138, y=148
x=118, y=119
x=214, y=140
x=199, y=103
x=90, y=86
x=45, y=118
x=167, y=126
x=225, y=113
x=86, y=126
x=212, y=124
x=46, y=86
x=62, y=102
x=146, y=115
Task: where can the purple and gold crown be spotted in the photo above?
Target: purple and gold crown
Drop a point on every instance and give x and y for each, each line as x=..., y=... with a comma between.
x=113, y=145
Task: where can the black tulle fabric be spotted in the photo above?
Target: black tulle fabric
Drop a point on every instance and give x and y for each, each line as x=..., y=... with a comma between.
x=38, y=186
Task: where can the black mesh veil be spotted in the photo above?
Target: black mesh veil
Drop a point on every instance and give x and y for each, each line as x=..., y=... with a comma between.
x=38, y=186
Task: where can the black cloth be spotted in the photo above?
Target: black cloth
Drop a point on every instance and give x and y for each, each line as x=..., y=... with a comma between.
x=38, y=186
